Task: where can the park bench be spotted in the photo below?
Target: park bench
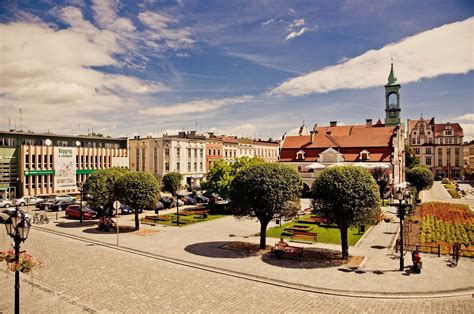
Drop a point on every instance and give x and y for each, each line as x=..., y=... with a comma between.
x=288, y=251
x=154, y=219
x=306, y=237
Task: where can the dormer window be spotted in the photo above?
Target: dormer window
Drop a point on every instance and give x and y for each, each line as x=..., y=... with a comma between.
x=300, y=155
x=364, y=155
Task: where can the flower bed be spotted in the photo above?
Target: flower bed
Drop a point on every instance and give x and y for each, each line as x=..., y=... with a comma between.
x=454, y=194
x=445, y=223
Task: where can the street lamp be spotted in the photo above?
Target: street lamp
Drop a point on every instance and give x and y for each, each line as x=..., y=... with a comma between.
x=18, y=228
x=80, y=188
x=407, y=197
x=177, y=209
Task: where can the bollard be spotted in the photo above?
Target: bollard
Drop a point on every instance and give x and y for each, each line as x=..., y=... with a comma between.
x=56, y=216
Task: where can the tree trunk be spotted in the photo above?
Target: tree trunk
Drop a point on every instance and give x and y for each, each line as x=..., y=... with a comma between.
x=263, y=234
x=137, y=222
x=344, y=246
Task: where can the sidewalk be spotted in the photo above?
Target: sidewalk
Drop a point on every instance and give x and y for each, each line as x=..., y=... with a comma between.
x=199, y=245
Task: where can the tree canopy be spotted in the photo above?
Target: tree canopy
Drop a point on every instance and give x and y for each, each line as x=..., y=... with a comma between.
x=265, y=191
x=421, y=178
x=382, y=178
x=347, y=196
x=140, y=190
x=99, y=186
x=221, y=174
x=410, y=158
x=171, y=182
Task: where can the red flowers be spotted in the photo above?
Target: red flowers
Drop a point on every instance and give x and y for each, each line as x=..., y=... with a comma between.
x=25, y=264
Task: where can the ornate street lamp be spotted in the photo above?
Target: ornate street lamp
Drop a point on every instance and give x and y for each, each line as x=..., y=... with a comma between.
x=18, y=228
x=407, y=197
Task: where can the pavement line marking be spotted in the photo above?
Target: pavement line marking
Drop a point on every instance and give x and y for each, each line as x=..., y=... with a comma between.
x=269, y=281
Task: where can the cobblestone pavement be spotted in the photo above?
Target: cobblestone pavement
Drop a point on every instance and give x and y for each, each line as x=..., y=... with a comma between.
x=103, y=279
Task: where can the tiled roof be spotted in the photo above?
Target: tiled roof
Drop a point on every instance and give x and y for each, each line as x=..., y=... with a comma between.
x=229, y=139
x=344, y=136
x=455, y=127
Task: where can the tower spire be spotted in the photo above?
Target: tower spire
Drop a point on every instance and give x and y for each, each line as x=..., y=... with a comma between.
x=392, y=79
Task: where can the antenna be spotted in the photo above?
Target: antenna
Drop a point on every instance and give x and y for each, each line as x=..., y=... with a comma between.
x=21, y=122
x=9, y=124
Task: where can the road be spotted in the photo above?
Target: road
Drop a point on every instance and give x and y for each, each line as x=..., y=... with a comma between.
x=81, y=277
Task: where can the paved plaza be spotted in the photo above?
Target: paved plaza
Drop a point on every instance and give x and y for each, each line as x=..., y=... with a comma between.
x=186, y=269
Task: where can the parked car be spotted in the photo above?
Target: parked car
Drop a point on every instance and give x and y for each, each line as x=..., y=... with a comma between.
x=27, y=200
x=65, y=198
x=166, y=201
x=5, y=203
x=201, y=198
x=60, y=205
x=74, y=211
x=46, y=204
x=124, y=210
x=180, y=203
x=188, y=199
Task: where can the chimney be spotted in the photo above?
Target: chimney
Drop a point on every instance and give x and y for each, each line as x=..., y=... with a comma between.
x=314, y=132
x=328, y=132
x=312, y=136
x=333, y=123
x=368, y=123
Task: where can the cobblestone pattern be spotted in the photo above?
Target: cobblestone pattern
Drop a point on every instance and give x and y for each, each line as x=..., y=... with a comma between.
x=108, y=280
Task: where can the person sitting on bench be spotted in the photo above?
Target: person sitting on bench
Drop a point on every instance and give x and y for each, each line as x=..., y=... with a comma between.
x=281, y=244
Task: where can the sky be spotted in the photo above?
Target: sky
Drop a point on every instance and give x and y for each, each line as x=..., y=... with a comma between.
x=247, y=68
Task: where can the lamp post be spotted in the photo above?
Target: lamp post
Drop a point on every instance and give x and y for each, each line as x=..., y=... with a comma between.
x=80, y=188
x=17, y=227
x=402, y=196
x=177, y=209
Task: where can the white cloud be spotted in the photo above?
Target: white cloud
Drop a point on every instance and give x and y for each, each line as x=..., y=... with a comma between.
x=443, y=50
x=268, y=22
x=296, y=23
x=466, y=117
x=468, y=129
x=295, y=34
x=49, y=74
x=195, y=106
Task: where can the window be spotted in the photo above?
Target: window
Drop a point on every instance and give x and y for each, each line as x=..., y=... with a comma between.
x=214, y=152
x=418, y=141
x=195, y=153
x=189, y=152
x=189, y=167
x=201, y=152
x=430, y=140
x=417, y=151
x=177, y=166
x=143, y=159
x=428, y=161
x=219, y=152
x=456, y=150
x=428, y=150
x=167, y=151
x=167, y=166
x=33, y=161
x=455, y=140
x=138, y=159
x=195, y=166
x=456, y=161
x=300, y=155
x=155, y=160
x=200, y=166
x=440, y=162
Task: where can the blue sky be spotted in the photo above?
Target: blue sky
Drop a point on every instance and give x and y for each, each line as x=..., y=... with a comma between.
x=251, y=68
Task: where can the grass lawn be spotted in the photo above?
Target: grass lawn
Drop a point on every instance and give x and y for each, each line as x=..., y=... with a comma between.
x=325, y=235
x=185, y=220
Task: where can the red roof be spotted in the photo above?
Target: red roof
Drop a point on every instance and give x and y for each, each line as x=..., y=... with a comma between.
x=455, y=127
x=229, y=139
x=344, y=136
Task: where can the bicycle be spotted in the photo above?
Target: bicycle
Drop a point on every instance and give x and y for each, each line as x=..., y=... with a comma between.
x=40, y=219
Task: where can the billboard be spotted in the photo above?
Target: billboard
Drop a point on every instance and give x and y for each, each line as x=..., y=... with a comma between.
x=65, y=168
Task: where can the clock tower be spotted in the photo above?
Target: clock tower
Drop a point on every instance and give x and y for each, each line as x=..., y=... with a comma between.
x=392, y=99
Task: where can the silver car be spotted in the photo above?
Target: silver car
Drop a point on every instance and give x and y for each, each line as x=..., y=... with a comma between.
x=28, y=200
x=5, y=203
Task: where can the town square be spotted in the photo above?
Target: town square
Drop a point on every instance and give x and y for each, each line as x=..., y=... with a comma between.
x=237, y=156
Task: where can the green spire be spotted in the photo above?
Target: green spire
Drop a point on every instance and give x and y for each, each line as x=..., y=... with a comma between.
x=392, y=79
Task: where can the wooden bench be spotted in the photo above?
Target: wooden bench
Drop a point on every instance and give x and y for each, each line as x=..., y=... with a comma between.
x=306, y=237
x=288, y=251
x=155, y=219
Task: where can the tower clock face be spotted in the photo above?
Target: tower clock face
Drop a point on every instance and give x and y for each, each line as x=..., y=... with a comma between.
x=392, y=114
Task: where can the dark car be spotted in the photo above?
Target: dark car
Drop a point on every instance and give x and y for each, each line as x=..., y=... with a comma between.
x=60, y=205
x=201, y=199
x=188, y=199
x=124, y=210
x=166, y=201
x=46, y=204
x=74, y=211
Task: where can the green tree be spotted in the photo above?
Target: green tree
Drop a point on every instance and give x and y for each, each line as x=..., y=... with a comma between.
x=410, y=158
x=421, y=178
x=221, y=174
x=382, y=178
x=140, y=190
x=347, y=196
x=99, y=186
x=171, y=182
x=265, y=191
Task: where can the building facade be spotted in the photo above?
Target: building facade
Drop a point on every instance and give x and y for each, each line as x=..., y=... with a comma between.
x=231, y=147
x=367, y=145
x=245, y=148
x=49, y=164
x=468, y=160
x=214, y=149
x=267, y=150
x=438, y=146
x=183, y=153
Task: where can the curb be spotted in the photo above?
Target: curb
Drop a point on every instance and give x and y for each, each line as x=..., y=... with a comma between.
x=279, y=283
